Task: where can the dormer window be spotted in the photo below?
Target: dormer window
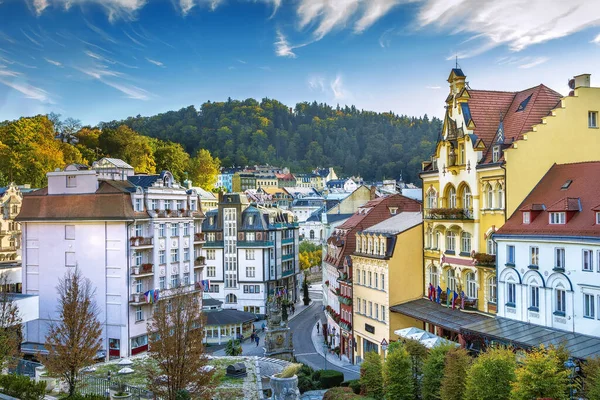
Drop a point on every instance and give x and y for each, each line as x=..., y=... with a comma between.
x=526, y=217
x=393, y=210
x=557, y=218
x=496, y=154
x=250, y=219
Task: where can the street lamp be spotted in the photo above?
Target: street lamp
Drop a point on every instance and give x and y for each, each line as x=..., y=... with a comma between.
x=573, y=368
x=325, y=353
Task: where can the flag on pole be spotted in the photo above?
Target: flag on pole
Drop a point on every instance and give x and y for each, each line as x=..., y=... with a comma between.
x=439, y=294
x=429, y=292
x=448, y=297
x=462, y=299
x=454, y=297
x=156, y=295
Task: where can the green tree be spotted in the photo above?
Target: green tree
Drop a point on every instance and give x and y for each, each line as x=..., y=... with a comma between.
x=433, y=371
x=455, y=373
x=28, y=150
x=371, y=376
x=540, y=375
x=591, y=372
x=204, y=169
x=124, y=143
x=233, y=348
x=418, y=354
x=171, y=157
x=491, y=375
x=397, y=375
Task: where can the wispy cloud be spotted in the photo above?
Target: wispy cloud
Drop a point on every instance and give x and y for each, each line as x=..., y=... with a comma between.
x=338, y=89
x=7, y=72
x=241, y=61
x=32, y=40
x=100, y=32
x=157, y=63
x=596, y=39
x=134, y=40
x=283, y=47
x=55, y=63
x=384, y=39
x=30, y=92
x=535, y=62
x=517, y=24
x=316, y=82
x=131, y=91
x=40, y=5
x=6, y=38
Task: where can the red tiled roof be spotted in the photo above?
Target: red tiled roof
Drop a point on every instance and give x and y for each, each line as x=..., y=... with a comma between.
x=487, y=107
x=584, y=189
x=373, y=212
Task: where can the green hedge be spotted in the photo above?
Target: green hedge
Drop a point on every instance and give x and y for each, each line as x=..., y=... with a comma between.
x=330, y=378
x=22, y=387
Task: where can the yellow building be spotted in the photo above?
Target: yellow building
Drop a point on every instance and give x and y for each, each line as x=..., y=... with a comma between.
x=386, y=270
x=464, y=187
x=266, y=181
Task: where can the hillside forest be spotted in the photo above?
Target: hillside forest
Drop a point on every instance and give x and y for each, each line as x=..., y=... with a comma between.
x=193, y=143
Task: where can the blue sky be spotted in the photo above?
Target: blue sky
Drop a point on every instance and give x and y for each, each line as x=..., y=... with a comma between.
x=99, y=60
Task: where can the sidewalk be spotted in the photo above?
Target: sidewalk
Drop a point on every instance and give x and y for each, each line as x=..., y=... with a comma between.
x=332, y=358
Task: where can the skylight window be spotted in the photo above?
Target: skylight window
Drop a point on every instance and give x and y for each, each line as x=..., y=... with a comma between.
x=524, y=103
x=566, y=185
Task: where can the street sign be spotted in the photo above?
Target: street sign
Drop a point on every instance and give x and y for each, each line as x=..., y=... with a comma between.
x=384, y=344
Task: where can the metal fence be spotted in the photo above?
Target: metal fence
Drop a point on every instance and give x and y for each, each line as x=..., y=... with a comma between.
x=24, y=367
x=101, y=386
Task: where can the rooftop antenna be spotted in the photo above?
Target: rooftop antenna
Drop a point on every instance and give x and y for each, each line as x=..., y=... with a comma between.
x=456, y=55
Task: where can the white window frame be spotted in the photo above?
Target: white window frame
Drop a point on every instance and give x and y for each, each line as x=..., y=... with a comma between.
x=557, y=218
x=139, y=314
x=592, y=119
x=450, y=241
x=495, y=153
x=465, y=242
x=250, y=272
x=162, y=257
x=249, y=254
x=511, y=293
x=559, y=257
x=526, y=217
x=534, y=297
x=451, y=279
x=492, y=289
x=587, y=257
x=560, y=303
x=510, y=254
x=71, y=181
x=471, y=285
x=534, y=255
x=452, y=197
x=589, y=305
x=211, y=271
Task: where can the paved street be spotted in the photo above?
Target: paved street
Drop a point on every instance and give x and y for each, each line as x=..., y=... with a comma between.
x=302, y=327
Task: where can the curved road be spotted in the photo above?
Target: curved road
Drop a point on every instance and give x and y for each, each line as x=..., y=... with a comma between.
x=304, y=349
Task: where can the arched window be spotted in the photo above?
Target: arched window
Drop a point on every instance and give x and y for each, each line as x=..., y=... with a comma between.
x=431, y=199
x=450, y=279
x=375, y=246
x=492, y=287
x=370, y=248
x=364, y=245
x=436, y=240
x=231, y=298
x=500, y=195
x=450, y=241
x=434, y=277
x=467, y=198
x=452, y=197
x=465, y=242
x=382, y=247
x=489, y=196
x=471, y=285
x=312, y=234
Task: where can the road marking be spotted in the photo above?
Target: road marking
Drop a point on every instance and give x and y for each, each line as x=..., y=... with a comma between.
x=305, y=354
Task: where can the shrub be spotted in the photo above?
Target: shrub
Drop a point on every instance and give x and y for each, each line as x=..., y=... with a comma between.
x=491, y=375
x=418, y=354
x=591, y=372
x=305, y=383
x=290, y=371
x=330, y=378
x=233, y=348
x=540, y=375
x=354, y=384
x=340, y=393
x=433, y=370
x=371, y=378
x=455, y=374
x=317, y=375
x=22, y=387
x=397, y=375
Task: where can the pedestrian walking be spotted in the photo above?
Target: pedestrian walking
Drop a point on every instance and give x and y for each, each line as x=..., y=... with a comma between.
x=293, y=309
x=252, y=337
x=263, y=326
x=257, y=340
x=317, y=328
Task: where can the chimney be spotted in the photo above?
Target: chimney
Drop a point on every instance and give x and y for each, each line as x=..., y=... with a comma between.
x=373, y=193
x=220, y=196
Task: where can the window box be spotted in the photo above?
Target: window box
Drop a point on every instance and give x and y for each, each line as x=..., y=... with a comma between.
x=558, y=269
x=464, y=254
x=534, y=267
x=513, y=305
x=484, y=259
x=450, y=252
x=535, y=309
x=559, y=313
x=510, y=265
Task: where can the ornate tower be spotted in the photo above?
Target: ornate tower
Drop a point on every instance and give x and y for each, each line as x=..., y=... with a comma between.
x=278, y=338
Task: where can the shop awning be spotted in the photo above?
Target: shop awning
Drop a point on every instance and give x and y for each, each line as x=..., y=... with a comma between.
x=524, y=335
x=437, y=314
x=427, y=339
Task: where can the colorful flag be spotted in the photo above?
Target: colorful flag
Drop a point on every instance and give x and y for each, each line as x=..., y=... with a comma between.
x=156, y=295
x=448, y=297
x=454, y=297
x=462, y=299
x=146, y=296
x=429, y=292
x=439, y=294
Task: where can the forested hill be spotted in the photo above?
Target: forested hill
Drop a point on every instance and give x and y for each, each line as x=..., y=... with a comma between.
x=372, y=145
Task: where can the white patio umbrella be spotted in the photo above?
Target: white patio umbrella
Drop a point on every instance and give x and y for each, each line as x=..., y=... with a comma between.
x=125, y=361
x=125, y=371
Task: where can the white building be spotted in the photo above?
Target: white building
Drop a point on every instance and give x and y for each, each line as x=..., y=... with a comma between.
x=136, y=237
x=548, y=263
x=251, y=252
x=303, y=207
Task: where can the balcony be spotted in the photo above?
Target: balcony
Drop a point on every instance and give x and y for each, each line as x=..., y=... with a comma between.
x=142, y=270
x=8, y=248
x=200, y=261
x=199, y=238
x=181, y=289
x=287, y=240
x=345, y=300
x=140, y=241
x=137, y=299
x=287, y=257
x=214, y=244
x=289, y=272
x=449, y=214
x=255, y=243
x=485, y=260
